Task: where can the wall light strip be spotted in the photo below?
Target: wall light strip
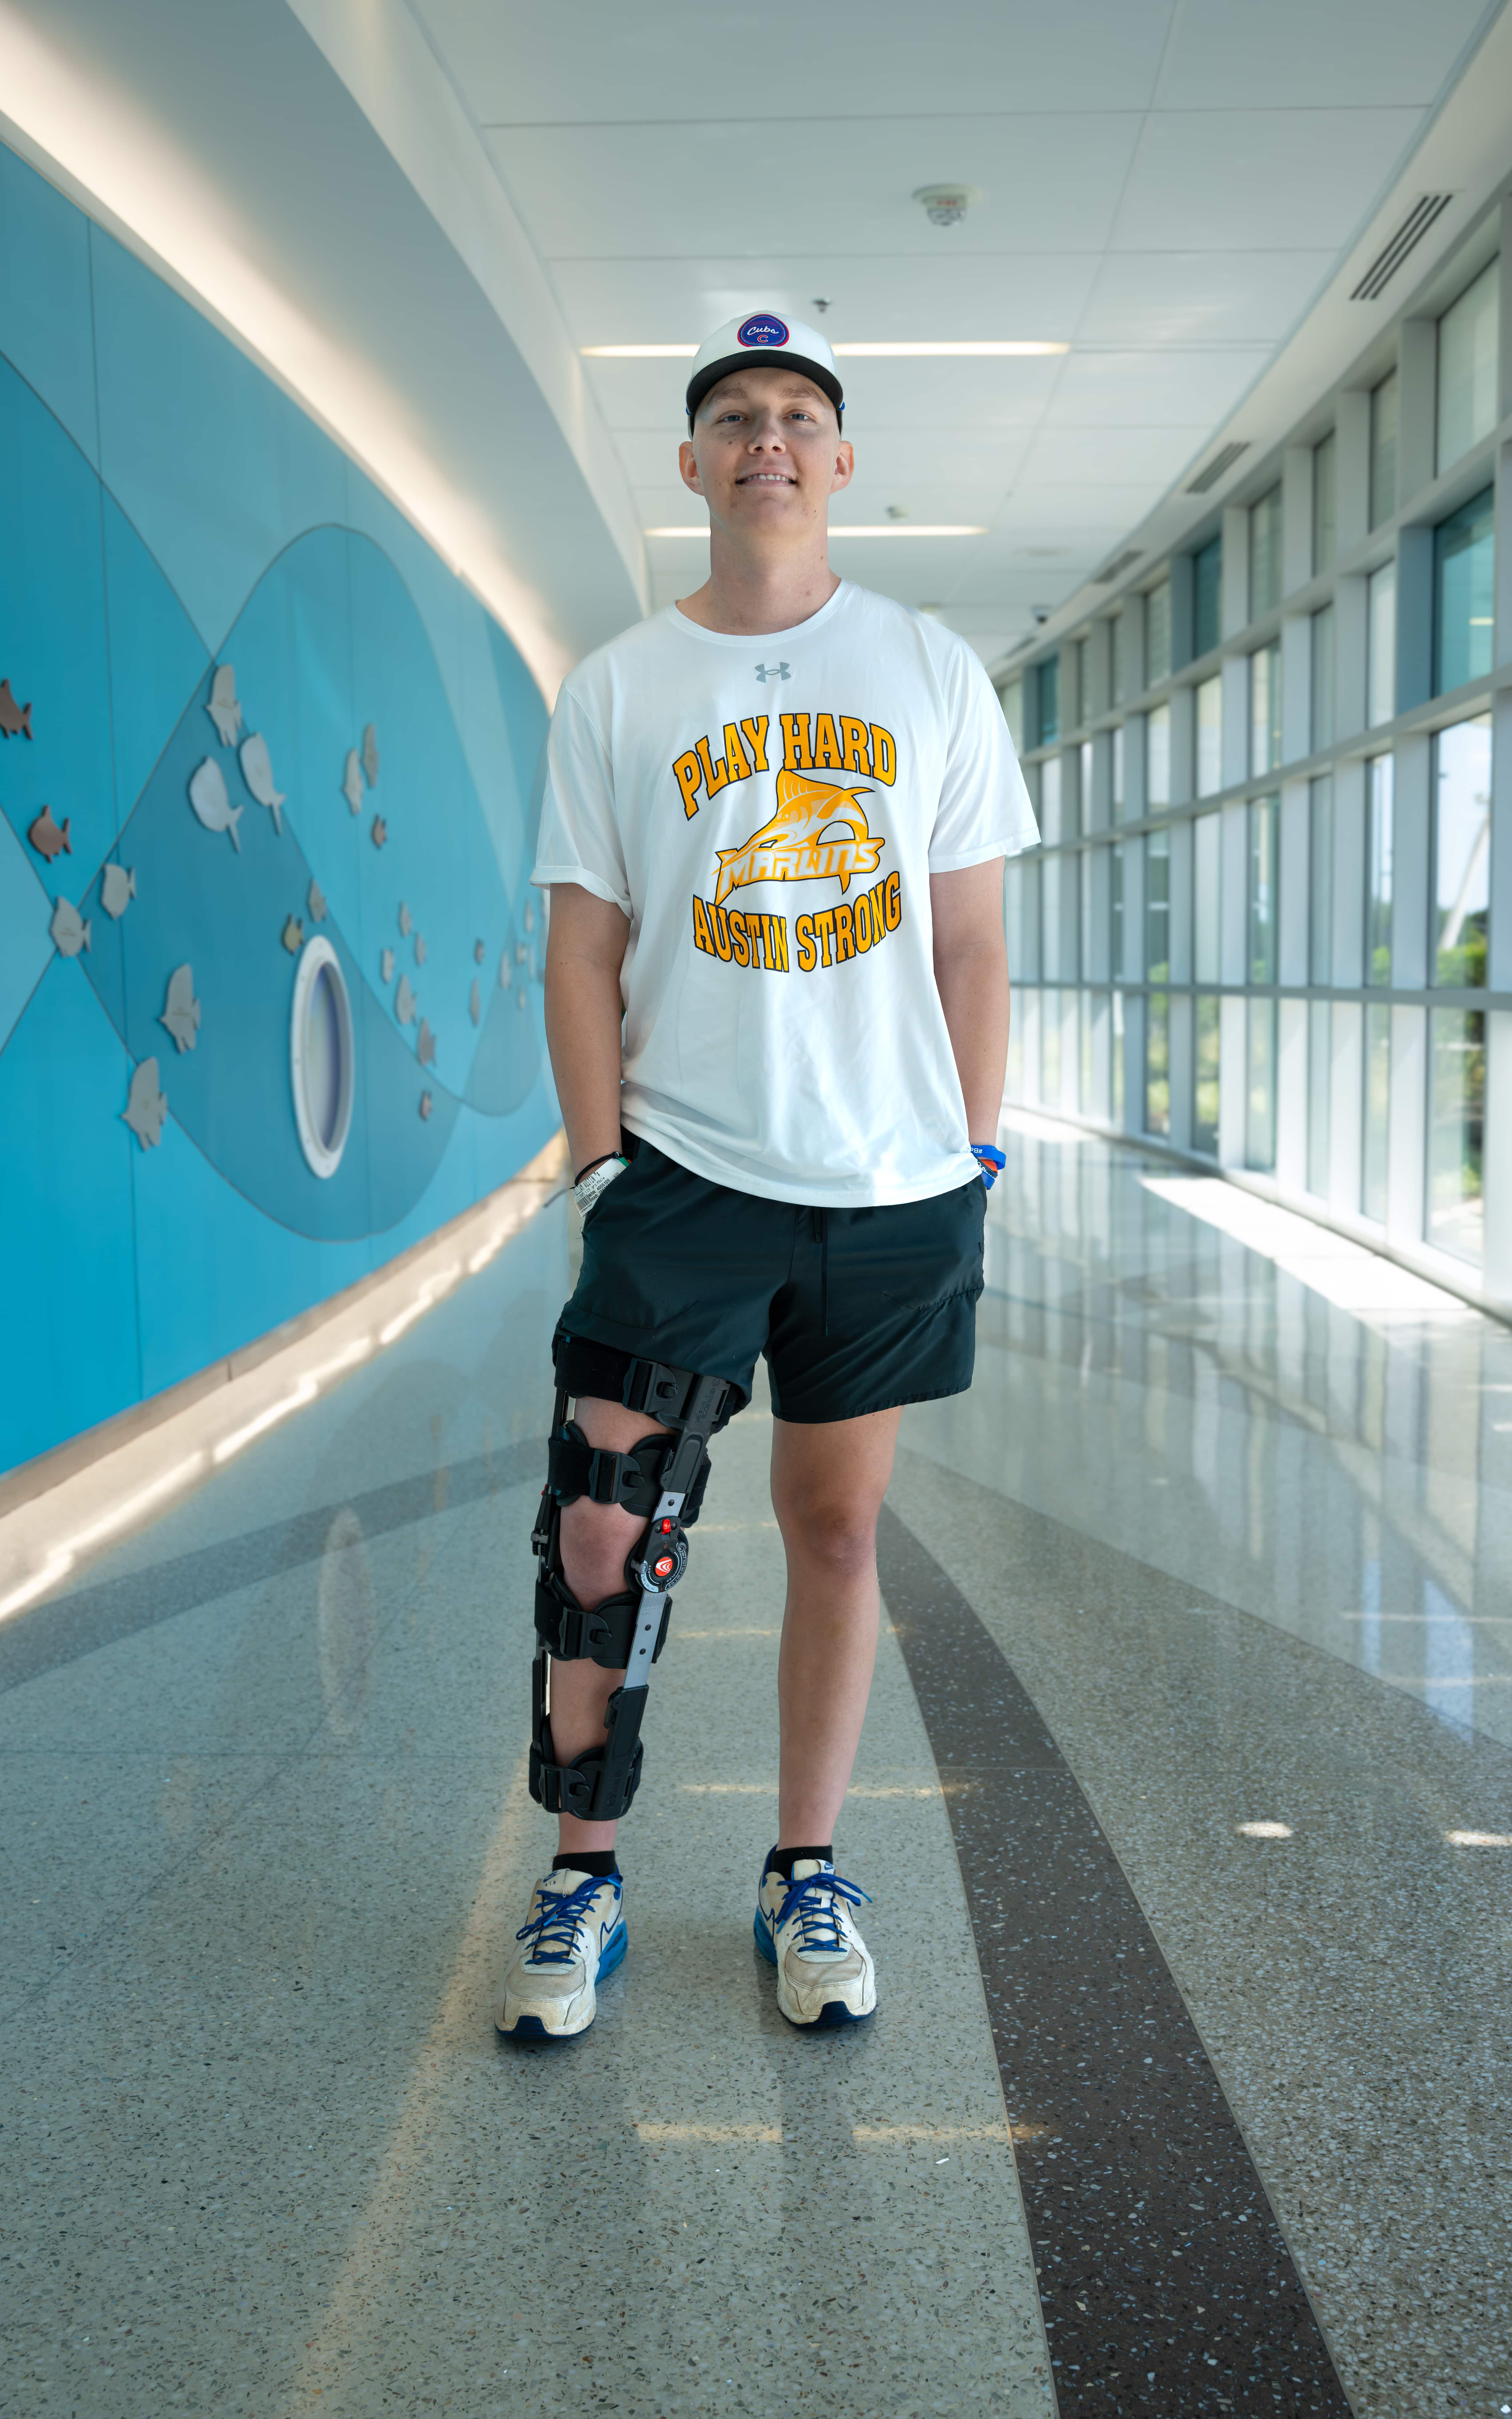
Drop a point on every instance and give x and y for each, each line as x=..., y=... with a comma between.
x=858, y=529
x=1013, y=348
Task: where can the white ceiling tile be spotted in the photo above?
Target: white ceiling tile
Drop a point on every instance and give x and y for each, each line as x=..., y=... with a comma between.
x=1155, y=388
x=599, y=192
x=1058, y=455
x=928, y=297
x=1259, y=178
x=1194, y=297
x=1292, y=53
x=597, y=61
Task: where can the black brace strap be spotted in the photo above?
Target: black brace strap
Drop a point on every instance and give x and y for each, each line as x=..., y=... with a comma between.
x=632, y=1480
x=679, y=1398
x=602, y=1636
x=600, y=1785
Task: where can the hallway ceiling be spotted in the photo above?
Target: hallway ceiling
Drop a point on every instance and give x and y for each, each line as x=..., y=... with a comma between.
x=1166, y=186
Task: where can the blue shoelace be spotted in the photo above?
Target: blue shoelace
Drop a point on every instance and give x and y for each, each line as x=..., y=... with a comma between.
x=563, y=1916
x=812, y=1901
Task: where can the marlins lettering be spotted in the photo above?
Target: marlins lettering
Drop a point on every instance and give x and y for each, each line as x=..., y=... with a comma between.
x=818, y=834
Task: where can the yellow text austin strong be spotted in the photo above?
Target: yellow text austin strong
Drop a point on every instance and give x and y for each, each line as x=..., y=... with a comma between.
x=826, y=938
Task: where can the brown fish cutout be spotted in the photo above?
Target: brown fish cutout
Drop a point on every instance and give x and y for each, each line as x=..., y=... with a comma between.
x=46, y=838
x=292, y=936
x=15, y=720
x=380, y=831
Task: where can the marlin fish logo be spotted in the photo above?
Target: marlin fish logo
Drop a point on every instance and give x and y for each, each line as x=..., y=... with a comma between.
x=818, y=833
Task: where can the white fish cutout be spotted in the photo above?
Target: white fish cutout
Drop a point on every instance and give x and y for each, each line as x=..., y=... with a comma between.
x=386, y=961
x=257, y=773
x=117, y=888
x=370, y=756
x=211, y=801
x=407, y=922
x=225, y=708
x=521, y=954
x=70, y=930
x=351, y=785
x=316, y=901
x=180, y=1012
x=421, y=951
x=426, y=1045
x=529, y=919
x=405, y=1002
x=146, y=1105
x=475, y=1002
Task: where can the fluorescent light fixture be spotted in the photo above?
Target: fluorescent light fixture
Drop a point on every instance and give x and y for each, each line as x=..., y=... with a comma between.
x=860, y=529
x=1010, y=348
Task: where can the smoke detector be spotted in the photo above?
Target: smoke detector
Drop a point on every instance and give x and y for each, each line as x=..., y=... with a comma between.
x=945, y=205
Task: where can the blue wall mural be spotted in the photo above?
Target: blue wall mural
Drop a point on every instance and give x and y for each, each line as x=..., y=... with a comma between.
x=244, y=710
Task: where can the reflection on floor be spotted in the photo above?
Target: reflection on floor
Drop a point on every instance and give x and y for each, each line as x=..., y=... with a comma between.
x=1247, y=1551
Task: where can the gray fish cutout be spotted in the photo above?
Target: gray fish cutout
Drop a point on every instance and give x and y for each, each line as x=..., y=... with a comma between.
x=352, y=784
x=386, y=961
x=426, y=1045
x=180, y=1012
x=117, y=888
x=224, y=707
x=211, y=800
x=257, y=773
x=70, y=930
x=316, y=901
x=406, y=923
x=405, y=1002
x=370, y=756
x=146, y=1105
x=292, y=935
x=479, y=952
x=426, y=1105
x=529, y=919
x=421, y=952
x=380, y=831
x=475, y=1002
x=521, y=954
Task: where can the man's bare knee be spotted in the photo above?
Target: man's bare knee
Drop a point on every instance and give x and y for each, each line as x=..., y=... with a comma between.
x=842, y=1537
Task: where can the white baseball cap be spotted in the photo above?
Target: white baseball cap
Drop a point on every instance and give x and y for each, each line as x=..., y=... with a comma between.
x=774, y=341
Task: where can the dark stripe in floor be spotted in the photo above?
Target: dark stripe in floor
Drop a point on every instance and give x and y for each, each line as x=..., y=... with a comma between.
x=63, y=1628
x=1167, y=2288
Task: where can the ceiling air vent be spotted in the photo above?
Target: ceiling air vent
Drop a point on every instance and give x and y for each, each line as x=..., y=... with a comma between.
x=1413, y=227
x=1223, y=460
x=1118, y=566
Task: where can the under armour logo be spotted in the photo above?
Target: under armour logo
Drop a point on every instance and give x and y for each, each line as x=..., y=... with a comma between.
x=773, y=671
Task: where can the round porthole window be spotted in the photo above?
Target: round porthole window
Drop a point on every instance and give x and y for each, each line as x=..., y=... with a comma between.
x=321, y=1061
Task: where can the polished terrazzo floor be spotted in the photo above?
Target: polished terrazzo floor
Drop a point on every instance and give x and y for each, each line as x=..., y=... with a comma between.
x=1178, y=1802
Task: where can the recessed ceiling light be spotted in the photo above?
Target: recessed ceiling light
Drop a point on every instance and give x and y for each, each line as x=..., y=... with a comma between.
x=969, y=350
x=855, y=528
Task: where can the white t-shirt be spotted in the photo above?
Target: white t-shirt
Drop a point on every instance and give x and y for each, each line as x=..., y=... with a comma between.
x=767, y=812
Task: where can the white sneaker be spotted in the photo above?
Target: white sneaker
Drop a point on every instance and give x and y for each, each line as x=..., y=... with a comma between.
x=574, y=1937
x=804, y=1927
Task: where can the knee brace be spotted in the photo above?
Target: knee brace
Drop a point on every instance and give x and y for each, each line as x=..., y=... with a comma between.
x=662, y=1479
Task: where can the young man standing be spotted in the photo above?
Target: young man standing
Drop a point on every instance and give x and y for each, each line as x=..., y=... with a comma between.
x=776, y=1003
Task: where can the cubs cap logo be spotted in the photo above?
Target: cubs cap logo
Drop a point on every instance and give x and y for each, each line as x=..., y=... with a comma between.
x=786, y=342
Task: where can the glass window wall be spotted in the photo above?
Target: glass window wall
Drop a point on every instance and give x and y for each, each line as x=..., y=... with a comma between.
x=1264, y=556
x=1321, y=643
x=1260, y=1098
x=1011, y=694
x=1379, y=802
x=1320, y=881
x=1383, y=451
x=1207, y=596
x=1205, y=1069
x=1157, y=1063
x=1209, y=746
x=1467, y=368
x=1456, y=1119
x=1115, y=863
x=1050, y=701
x=1115, y=1054
x=1463, y=564
x=1120, y=657
x=1461, y=852
x=1207, y=900
x=1319, y=1090
x=1264, y=821
x=1117, y=772
x=1158, y=635
x=1158, y=907
x=1158, y=757
x=1325, y=503
x=1049, y=800
x=1375, y=1160
x=1083, y=786
x=1380, y=645
x=1265, y=709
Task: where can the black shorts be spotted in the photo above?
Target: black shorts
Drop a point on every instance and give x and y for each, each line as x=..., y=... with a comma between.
x=857, y=1310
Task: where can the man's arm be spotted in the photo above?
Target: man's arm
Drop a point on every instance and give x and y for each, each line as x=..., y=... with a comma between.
x=971, y=974
x=585, y=947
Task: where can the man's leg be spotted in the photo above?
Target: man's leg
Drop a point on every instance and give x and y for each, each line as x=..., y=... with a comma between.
x=828, y=1480
x=595, y=1539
